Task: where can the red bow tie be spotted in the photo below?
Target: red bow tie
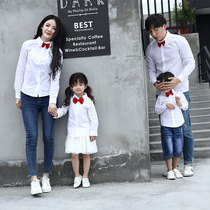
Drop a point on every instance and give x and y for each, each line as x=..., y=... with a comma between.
x=81, y=100
x=170, y=92
x=47, y=45
x=161, y=43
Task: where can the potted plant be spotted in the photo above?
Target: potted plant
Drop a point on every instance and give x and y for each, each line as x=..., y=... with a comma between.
x=183, y=16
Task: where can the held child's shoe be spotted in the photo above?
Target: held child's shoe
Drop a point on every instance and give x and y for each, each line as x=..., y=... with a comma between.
x=188, y=170
x=77, y=181
x=46, y=184
x=177, y=173
x=35, y=187
x=85, y=182
x=171, y=175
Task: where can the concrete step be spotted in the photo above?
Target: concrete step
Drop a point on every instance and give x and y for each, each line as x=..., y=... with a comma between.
x=194, y=119
x=200, y=119
x=193, y=112
x=194, y=126
x=202, y=142
x=193, y=105
x=201, y=152
x=197, y=134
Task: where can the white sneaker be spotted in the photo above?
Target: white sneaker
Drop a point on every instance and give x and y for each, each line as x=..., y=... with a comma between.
x=177, y=173
x=85, y=182
x=188, y=170
x=35, y=187
x=46, y=184
x=77, y=181
x=171, y=175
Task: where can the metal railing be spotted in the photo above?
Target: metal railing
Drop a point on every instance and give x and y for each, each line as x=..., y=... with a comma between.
x=204, y=65
x=178, y=13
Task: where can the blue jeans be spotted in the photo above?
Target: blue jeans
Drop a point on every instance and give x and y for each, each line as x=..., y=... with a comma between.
x=188, y=150
x=31, y=106
x=172, y=141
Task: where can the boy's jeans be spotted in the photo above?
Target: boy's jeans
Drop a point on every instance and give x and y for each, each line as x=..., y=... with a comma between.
x=172, y=142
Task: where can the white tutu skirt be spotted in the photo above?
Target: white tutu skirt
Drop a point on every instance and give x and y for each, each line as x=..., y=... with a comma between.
x=82, y=145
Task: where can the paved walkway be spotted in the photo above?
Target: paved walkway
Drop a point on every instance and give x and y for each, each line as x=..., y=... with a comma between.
x=192, y=193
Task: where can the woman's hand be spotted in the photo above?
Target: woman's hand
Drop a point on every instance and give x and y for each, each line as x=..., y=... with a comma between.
x=18, y=103
x=52, y=108
x=92, y=138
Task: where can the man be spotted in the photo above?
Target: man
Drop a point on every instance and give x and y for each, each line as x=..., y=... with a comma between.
x=170, y=52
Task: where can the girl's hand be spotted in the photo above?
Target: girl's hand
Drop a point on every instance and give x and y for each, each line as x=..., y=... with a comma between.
x=18, y=103
x=92, y=138
x=52, y=108
x=55, y=113
x=170, y=106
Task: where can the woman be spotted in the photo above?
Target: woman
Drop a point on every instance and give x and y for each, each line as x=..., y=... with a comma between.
x=36, y=86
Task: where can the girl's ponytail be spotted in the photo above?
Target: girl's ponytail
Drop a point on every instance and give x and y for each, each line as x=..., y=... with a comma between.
x=88, y=90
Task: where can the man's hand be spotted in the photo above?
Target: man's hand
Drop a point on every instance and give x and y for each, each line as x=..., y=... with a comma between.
x=92, y=138
x=170, y=85
x=18, y=103
x=158, y=85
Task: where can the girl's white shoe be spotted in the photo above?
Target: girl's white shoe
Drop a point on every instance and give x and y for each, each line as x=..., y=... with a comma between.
x=85, y=182
x=77, y=181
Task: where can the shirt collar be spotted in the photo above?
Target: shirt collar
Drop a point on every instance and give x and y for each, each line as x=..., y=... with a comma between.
x=166, y=37
x=39, y=40
x=162, y=93
x=85, y=95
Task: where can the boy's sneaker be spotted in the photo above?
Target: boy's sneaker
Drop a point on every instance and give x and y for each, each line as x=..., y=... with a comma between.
x=171, y=175
x=85, y=182
x=77, y=181
x=177, y=173
x=188, y=170
x=46, y=184
x=35, y=187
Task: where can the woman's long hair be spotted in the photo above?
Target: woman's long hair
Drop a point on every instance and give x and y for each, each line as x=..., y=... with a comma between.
x=57, y=40
x=77, y=77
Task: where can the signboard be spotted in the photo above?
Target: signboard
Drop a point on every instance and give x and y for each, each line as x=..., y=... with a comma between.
x=86, y=24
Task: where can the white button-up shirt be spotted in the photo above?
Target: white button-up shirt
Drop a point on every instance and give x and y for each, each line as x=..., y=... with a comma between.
x=33, y=73
x=82, y=119
x=175, y=56
x=171, y=117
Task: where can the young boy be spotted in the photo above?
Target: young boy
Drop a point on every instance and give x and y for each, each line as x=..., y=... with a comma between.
x=171, y=52
x=168, y=106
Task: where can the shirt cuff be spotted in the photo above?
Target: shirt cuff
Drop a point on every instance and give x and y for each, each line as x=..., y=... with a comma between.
x=93, y=134
x=181, y=78
x=18, y=95
x=52, y=100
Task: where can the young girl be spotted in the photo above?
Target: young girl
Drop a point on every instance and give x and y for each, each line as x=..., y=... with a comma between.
x=82, y=125
x=36, y=87
x=168, y=106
